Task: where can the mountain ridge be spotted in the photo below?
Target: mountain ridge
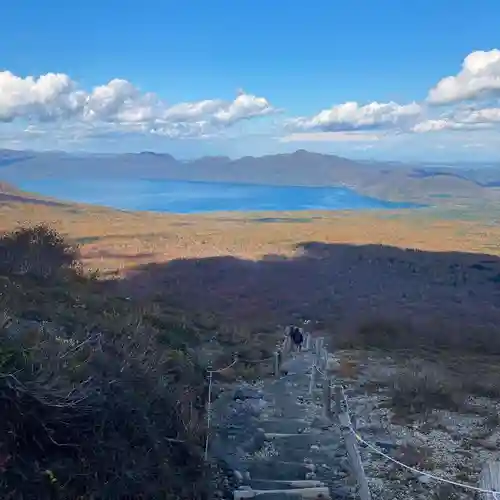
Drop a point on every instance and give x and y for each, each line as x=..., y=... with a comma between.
x=394, y=182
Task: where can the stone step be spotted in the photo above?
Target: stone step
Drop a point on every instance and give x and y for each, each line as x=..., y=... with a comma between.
x=277, y=425
x=278, y=494
x=270, y=436
x=278, y=469
x=283, y=484
x=302, y=442
x=317, y=453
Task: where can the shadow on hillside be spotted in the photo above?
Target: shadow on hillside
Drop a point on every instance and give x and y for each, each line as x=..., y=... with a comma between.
x=9, y=198
x=358, y=292
x=103, y=253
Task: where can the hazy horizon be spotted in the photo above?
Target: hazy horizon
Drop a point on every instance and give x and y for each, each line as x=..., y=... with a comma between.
x=358, y=158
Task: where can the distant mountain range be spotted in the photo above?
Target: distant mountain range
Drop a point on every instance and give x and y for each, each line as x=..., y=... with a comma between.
x=386, y=180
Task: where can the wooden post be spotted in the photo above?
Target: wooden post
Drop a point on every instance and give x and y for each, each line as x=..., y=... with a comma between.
x=276, y=364
x=324, y=360
x=312, y=377
x=209, y=409
x=319, y=351
x=351, y=444
x=327, y=395
x=286, y=346
x=308, y=341
x=489, y=479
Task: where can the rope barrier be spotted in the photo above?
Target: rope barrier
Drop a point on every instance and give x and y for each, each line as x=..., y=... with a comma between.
x=225, y=368
x=495, y=494
x=256, y=360
x=374, y=449
x=320, y=372
x=417, y=471
x=210, y=373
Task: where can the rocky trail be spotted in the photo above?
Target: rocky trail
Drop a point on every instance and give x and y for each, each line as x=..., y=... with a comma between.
x=275, y=439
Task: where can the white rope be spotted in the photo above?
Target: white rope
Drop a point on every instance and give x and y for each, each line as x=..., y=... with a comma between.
x=352, y=430
x=209, y=397
x=495, y=494
x=416, y=471
x=225, y=368
x=209, y=402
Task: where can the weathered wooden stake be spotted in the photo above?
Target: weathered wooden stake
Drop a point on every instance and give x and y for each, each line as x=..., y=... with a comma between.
x=351, y=444
x=285, y=349
x=209, y=409
x=308, y=341
x=276, y=363
x=312, y=377
x=327, y=395
x=319, y=351
x=489, y=479
x=324, y=360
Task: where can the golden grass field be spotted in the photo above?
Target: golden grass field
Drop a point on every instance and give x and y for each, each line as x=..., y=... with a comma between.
x=258, y=270
x=114, y=240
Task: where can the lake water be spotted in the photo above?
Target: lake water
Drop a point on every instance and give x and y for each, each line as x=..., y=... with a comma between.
x=195, y=197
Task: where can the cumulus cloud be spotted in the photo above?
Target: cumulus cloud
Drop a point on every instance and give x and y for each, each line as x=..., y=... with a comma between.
x=472, y=119
x=478, y=78
x=48, y=97
x=352, y=116
x=440, y=125
x=55, y=97
x=330, y=137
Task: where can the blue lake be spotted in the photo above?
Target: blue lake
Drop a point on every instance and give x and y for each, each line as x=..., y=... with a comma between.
x=196, y=197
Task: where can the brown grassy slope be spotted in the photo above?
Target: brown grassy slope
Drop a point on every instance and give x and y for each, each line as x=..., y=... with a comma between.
x=238, y=283
x=114, y=240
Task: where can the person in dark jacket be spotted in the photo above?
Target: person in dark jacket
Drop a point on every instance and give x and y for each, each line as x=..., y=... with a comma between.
x=297, y=337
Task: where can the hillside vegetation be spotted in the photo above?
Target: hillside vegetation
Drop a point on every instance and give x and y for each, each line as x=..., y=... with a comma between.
x=102, y=397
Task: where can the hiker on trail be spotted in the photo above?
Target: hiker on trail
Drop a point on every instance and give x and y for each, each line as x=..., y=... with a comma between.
x=297, y=337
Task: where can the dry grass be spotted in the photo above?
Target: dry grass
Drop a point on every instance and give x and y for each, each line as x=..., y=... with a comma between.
x=348, y=368
x=420, y=392
x=255, y=272
x=444, y=382
x=101, y=397
x=116, y=241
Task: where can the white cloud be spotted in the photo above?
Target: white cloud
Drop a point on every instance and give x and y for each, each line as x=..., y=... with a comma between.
x=49, y=97
x=484, y=116
x=440, y=125
x=478, y=78
x=330, y=137
x=472, y=119
x=352, y=116
x=55, y=97
x=54, y=108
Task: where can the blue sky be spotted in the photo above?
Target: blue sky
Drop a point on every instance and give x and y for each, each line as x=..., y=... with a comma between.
x=358, y=78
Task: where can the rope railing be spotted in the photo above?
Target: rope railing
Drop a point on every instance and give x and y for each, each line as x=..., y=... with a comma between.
x=210, y=372
x=351, y=435
x=489, y=483
x=421, y=472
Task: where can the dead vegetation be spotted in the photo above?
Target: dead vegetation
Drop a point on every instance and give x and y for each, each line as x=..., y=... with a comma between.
x=419, y=391
x=101, y=397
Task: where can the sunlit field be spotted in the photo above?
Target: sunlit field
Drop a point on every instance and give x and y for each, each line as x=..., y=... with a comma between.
x=116, y=241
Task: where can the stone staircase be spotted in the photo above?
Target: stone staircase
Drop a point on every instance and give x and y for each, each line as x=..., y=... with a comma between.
x=275, y=439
